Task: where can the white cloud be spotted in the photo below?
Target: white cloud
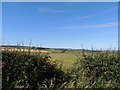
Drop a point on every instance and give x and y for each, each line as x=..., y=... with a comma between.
x=84, y=17
x=103, y=25
x=111, y=9
x=79, y=18
x=50, y=10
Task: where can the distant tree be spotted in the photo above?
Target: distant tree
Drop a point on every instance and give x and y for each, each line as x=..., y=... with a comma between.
x=63, y=51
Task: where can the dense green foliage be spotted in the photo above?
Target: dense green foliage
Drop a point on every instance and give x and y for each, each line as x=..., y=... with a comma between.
x=97, y=70
x=27, y=70
x=37, y=70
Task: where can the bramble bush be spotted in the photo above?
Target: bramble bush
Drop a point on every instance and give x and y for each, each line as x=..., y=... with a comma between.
x=27, y=70
x=35, y=70
x=97, y=70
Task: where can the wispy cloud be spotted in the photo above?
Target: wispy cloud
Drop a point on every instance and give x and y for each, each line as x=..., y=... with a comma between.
x=50, y=10
x=109, y=19
x=84, y=17
x=95, y=14
x=111, y=9
x=103, y=25
x=80, y=18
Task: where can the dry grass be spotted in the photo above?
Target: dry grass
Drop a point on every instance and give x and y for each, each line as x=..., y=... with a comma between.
x=20, y=49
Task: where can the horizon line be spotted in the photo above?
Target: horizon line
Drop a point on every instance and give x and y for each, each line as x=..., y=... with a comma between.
x=92, y=48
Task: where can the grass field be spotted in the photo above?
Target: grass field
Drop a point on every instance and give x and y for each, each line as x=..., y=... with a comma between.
x=60, y=69
x=66, y=59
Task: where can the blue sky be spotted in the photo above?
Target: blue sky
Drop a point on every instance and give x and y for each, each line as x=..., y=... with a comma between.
x=61, y=25
x=0, y=22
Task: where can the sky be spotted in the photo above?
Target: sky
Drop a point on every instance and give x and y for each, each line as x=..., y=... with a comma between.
x=61, y=24
x=0, y=22
x=60, y=1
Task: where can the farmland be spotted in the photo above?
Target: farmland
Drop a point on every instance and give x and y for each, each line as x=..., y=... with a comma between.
x=60, y=69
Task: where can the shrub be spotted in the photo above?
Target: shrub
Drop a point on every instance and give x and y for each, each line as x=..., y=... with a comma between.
x=96, y=70
x=27, y=70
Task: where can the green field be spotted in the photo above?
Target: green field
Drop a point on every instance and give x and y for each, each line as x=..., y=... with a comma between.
x=67, y=59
